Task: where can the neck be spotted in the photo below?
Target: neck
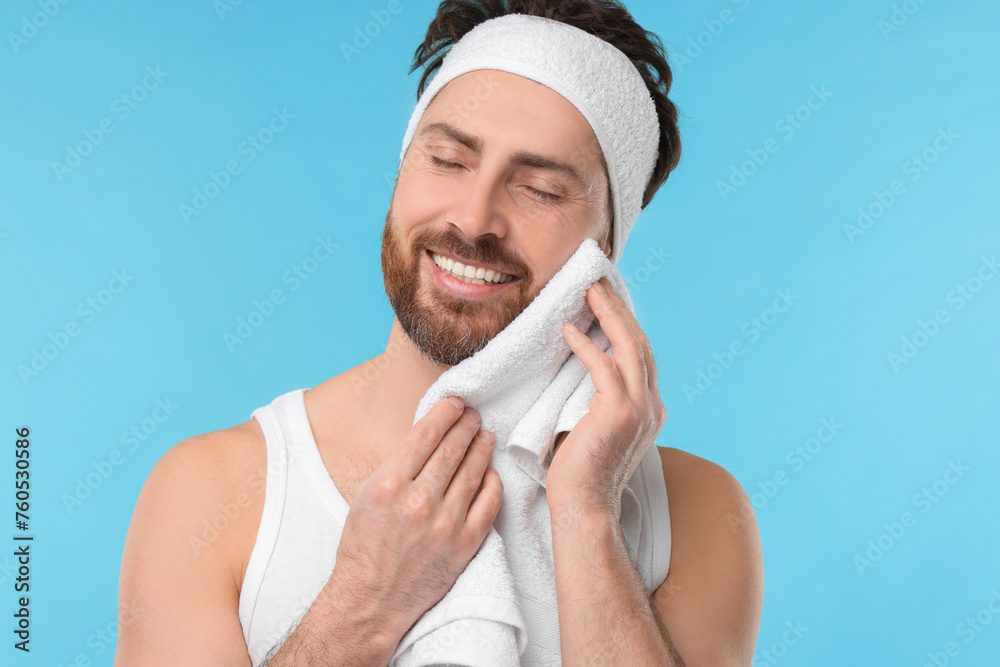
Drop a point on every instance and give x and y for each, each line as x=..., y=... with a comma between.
x=392, y=384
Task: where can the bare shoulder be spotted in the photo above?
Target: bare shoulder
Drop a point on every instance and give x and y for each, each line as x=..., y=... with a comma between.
x=683, y=468
x=712, y=598
x=182, y=566
x=222, y=474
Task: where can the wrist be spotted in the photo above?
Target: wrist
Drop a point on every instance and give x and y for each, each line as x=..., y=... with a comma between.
x=581, y=514
x=581, y=529
x=593, y=506
x=361, y=623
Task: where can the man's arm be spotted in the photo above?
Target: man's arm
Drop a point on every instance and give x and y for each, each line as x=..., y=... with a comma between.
x=185, y=591
x=331, y=632
x=179, y=592
x=707, y=610
x=712, y=597
x=605, y=617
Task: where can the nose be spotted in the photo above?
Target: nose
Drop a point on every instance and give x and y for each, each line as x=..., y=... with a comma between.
x=475, y=211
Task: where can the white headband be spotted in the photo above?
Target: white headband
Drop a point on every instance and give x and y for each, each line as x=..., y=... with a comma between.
x=597, y=78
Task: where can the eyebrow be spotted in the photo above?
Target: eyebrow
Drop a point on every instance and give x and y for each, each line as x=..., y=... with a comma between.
x=520, y=158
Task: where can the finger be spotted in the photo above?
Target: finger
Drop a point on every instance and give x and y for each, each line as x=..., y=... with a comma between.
x=443, y=462
x=626, y=313
x=469, y=475
x=645, y=348
x=601, y=366
x=412, y=452
x=627, y=351
x=486, y=505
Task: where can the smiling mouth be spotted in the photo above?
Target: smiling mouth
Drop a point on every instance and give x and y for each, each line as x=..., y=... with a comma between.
x=470, y=273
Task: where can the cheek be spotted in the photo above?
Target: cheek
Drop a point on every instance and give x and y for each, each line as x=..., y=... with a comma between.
x=419, y=198
x=546, y=252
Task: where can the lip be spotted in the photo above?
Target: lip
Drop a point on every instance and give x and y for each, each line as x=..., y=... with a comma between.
x=459, y=288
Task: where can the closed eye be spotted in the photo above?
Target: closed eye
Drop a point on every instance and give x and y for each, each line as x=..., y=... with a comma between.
x=543, y=194
x=452, y=165
x=441, y=163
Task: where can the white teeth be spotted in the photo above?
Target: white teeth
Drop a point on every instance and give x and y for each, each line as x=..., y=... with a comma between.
x=476, y=275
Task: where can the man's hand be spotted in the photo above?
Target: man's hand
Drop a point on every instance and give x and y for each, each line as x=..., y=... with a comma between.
x=592, y=466
x=414, y=525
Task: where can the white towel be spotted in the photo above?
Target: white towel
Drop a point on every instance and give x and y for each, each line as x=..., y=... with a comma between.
x=528, y=386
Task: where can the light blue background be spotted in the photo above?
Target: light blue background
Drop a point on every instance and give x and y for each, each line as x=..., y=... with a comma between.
x=329, y=172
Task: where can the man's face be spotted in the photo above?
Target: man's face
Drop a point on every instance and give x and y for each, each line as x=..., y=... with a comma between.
x=502, y=203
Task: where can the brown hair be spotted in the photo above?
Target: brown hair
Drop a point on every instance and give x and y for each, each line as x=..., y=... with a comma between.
x=606, y=19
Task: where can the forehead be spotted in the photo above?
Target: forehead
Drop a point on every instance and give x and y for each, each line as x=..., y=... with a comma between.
x=516, y=114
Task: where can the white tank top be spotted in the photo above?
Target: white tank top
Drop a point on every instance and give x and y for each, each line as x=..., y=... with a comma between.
x=303, y=519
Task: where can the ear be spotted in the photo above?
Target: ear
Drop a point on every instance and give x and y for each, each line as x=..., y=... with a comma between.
x=607, y=241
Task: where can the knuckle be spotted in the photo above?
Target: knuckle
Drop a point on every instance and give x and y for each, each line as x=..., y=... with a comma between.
x=451, y=452
x=420, y=502
x=425, y=432
x=470, y=477
x=387, y=486
x=443, y=527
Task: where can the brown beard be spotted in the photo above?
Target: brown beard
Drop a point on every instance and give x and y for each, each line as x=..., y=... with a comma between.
x=443, y=327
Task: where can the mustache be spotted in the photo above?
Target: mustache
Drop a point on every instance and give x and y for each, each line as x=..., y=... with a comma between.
x=489, y=252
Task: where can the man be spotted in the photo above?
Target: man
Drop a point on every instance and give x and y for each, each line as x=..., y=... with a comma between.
x=488, y=188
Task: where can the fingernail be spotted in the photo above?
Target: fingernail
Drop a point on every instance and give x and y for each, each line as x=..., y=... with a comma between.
x=457, y=402
x=600, y=288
